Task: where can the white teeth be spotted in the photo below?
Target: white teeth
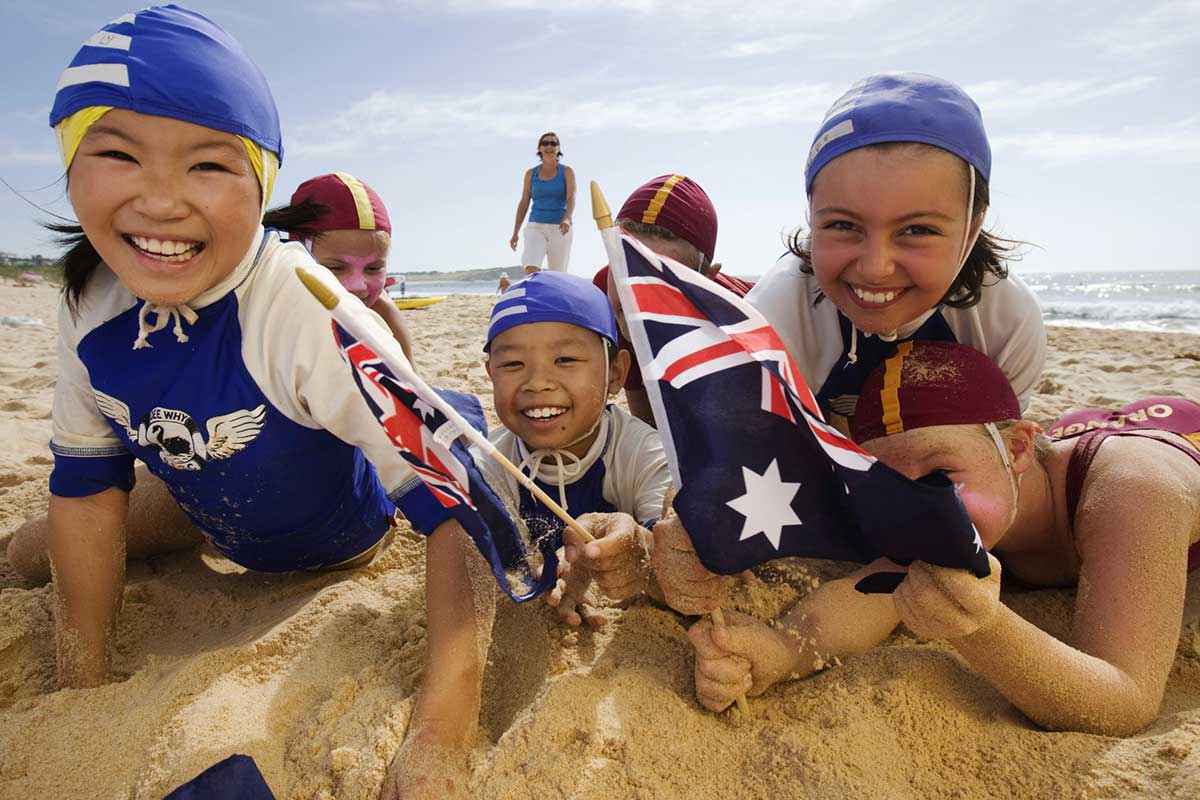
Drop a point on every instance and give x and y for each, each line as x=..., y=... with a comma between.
x=543, y=413
x=166, y=249
x=875, y=297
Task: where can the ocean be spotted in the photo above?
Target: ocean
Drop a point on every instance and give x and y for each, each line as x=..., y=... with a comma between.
x=1133, y=300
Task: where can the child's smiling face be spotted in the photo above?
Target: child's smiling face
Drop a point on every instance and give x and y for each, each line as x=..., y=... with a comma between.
x=170, y=206
x=888, y=226
x=357, y=258
x=550, y=385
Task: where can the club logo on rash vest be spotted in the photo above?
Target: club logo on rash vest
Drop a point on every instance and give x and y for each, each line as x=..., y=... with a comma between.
x=177, y=436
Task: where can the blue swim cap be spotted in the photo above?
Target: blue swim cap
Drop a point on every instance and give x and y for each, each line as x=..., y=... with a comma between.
x=171, y=62
x=902, y=107
x=553, y=297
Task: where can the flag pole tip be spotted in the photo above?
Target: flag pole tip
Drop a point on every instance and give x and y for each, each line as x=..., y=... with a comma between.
x=600, y=211
x=318, y=289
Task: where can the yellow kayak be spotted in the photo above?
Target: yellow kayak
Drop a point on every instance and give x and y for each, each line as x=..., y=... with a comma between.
x=405, y=303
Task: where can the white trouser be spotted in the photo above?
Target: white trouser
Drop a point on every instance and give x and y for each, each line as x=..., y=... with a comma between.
x=544, y=240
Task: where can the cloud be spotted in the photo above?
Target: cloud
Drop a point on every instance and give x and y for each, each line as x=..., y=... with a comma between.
x=37, y=116
x=14, y=155
x=1165, y=26
x=767, y=45
x=726, y=13
x=384, y=118
x=1017, y=97
x=1178, y=143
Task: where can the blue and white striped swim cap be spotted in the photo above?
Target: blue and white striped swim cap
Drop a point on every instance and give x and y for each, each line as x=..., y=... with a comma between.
x=171, y=62
x=902, y=107
x=553, y=297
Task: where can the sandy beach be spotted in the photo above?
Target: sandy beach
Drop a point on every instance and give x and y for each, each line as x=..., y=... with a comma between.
x=314, y=675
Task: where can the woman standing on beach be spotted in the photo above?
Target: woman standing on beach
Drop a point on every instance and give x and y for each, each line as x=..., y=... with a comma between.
x=551, y=187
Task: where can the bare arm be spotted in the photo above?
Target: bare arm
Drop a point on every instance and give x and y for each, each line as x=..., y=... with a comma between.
x=748, y=656
x=87, y=550
x=522, y=207
x=386, y=309
x=433, y=763
x=1110, y=677
x=459, y=604
x=569, y=180
x=837, y=621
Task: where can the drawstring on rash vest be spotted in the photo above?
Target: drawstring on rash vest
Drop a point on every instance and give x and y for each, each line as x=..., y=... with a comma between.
x=562, y=471
x=163, y=314
x=967, y=245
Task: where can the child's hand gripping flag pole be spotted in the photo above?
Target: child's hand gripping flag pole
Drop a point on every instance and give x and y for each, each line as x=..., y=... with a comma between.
x=611, y=236
x=425, y=426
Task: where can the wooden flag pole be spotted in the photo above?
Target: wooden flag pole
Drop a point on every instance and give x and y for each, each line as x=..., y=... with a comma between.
x=612, y=244
x=388, y=349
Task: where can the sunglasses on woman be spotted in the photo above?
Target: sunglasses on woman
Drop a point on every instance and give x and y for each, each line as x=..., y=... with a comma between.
x=547, y=143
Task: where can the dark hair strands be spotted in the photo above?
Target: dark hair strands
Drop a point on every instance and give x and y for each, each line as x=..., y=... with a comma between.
x=989, y=256
x=296, y=219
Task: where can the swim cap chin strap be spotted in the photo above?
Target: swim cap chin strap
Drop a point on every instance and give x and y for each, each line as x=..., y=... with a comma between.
x=968, y=245
x=1013, y=479
x=562, y=454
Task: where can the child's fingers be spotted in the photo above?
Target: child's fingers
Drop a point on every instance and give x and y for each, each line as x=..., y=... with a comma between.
x=718, y=696
x=925, y=608
x=570, y=616
x=700, y=635
x=594, y=618
x=731, y=670
x=620, y=586
x=555, y=596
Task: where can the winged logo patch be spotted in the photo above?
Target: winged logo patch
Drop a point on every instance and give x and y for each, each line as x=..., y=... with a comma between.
x=177, y=436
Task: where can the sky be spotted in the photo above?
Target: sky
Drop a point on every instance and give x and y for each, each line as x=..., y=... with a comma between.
x=1093, y=111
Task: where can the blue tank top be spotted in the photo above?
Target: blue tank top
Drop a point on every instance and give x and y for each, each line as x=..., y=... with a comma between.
x=549, y=197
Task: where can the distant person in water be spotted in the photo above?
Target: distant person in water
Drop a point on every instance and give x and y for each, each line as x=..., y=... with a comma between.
x=502, y=287
x=342, y=221
x=551, y=187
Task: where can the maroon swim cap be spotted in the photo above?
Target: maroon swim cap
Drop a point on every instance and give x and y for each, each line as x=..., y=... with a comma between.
x=932, y=383
x=677, y=203
x=353, y=206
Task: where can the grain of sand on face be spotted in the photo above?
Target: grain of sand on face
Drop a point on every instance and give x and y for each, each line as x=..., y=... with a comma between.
x=315, y=675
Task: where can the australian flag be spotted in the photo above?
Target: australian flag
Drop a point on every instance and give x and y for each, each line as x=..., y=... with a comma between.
x=413, y=415
x=760, y=474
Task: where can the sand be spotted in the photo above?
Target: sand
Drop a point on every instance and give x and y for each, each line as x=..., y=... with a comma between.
x=314, y=675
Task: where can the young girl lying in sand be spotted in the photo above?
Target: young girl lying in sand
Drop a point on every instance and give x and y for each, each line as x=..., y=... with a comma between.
x=187, y=342
x=342, y=221
x=1113, y=507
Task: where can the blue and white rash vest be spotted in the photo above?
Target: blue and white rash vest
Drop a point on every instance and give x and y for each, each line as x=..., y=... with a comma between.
x=1005, y=325
x=624, y=470
x=242, y=405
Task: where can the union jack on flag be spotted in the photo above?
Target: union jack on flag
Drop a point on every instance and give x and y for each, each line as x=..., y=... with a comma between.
x=759, y=472
x=428, y=439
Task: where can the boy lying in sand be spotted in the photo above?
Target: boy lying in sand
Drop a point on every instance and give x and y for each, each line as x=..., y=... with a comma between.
x=553, y=361
x=1120, y=520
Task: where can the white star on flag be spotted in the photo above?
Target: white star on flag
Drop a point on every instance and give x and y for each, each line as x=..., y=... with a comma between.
x=767, y=504
x=423, y=408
